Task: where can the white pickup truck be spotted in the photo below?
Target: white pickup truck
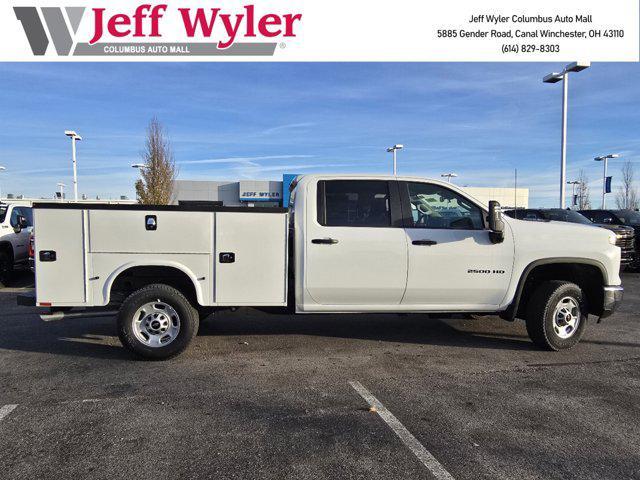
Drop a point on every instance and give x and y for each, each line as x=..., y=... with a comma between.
x=15, y=230
x=346, y=244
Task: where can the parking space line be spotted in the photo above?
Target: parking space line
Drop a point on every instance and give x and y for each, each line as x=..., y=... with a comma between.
x=6, y=410
x=427, y=459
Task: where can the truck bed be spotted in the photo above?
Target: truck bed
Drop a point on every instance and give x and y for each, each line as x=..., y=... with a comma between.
x=233, y=255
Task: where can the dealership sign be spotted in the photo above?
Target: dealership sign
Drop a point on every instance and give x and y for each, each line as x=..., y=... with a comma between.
x=212, y=30
x=260, y=191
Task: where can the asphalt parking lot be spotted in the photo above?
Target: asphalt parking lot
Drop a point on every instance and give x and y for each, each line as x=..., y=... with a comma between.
x=269, y=396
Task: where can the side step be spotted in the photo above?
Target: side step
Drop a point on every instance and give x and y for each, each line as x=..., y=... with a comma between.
x=55, y=316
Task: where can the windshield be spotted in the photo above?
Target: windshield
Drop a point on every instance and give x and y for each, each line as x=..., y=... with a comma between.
x=628, y=217
x=561, y=215
x=3, y=212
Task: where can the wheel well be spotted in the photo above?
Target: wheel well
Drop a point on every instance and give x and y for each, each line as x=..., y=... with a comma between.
x=135, y=278
x=588, y=277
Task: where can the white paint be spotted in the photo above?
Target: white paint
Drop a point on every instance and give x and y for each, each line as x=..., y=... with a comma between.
x=6, y=410
x=427, y=459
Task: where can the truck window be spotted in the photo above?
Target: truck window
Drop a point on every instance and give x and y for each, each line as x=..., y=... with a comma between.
x=433, y=206
x=3, y=212
x=600, y=216
x=354, y=203
x=27, y=213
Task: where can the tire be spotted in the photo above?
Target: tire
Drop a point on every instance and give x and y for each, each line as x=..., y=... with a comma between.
x=6, y=269
x=157, y=322
x=556, y=315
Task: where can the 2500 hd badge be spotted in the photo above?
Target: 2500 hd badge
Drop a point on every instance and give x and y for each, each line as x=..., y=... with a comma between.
x=475, y=270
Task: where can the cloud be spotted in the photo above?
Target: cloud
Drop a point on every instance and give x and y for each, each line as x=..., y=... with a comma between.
x=243, y=160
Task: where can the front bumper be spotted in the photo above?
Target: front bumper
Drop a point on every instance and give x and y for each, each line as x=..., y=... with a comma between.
x=612, y=299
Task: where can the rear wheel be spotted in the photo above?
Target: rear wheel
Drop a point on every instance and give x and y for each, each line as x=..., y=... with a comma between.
x=556, y=315
x=157, y=322
x=6, y=268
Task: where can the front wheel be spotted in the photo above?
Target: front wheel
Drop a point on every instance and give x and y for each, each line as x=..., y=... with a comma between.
x=157, y=322
x=556, y=315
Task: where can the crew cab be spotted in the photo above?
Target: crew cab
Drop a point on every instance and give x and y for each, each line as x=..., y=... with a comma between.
x=347, y=244
x=625, y=236
x=15, y=229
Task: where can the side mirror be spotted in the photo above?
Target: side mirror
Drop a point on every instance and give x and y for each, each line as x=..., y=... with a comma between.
x=496, y=225
x=20, y=224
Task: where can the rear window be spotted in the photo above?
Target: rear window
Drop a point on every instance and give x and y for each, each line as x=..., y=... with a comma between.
x=354, y=203
x=3, y=212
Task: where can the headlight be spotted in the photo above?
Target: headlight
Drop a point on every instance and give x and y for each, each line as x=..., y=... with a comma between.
x=612, y=238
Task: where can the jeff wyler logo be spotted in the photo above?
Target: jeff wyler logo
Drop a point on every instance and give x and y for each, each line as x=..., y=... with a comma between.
x=209, y=31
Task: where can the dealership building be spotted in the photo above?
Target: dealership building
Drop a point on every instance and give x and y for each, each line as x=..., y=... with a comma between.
x=275, y=193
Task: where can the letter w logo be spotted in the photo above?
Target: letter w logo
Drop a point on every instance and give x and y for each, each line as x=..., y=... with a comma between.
x=56, y=25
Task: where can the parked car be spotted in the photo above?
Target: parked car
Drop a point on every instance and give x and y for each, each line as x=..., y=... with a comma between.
x=15, y=226
x=347, y=244
x=625, y=236
x=626, y=218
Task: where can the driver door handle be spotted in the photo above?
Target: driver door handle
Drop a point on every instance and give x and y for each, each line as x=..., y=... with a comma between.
x=324, y=241
x=424, y=242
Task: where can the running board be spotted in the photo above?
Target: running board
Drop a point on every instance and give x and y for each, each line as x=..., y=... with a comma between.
x=55, y=316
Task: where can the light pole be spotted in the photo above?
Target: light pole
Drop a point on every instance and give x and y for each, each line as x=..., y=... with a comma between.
x=394, y=149
x=604, y=159
x=74, y=137
x=61, y=185
x=573, y=184
x=564, y=77
x=2, y=169
x=448, y=176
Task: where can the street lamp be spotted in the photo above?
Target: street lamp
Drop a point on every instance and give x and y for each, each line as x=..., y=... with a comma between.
x=604, y=159
x=564, y=77
x=1, y=170
x=139, y=165
x=74, y=137
x=573, y=189
x=448, y=176
x=394, y=149
x=61, y=185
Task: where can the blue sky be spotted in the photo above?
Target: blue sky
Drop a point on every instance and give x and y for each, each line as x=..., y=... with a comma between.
x=259, y=120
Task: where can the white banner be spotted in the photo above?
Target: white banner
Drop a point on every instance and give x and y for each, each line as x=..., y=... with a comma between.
x=319, y=30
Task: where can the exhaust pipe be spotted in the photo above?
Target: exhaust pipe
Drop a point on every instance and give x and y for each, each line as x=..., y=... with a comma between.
x=55, y=316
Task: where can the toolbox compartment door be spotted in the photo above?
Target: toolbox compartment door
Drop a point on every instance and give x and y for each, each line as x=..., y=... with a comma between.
x=250, y=259
x=149, y=231
x=60, y=256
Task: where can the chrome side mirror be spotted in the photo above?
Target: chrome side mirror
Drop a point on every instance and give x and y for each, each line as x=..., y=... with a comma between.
x=496, y=224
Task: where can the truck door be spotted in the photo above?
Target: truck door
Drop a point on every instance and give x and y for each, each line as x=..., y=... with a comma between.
x=20, y=240
x=355, y=247
x=452, y=262
x=60, y=256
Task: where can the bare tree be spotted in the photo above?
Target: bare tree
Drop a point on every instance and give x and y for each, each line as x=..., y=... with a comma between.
x=158, y=176
x=627, y=196
x=584, y=202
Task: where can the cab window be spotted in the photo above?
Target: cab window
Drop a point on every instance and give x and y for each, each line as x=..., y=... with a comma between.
x=26, y=212
x=354, y=203
x=433, y=206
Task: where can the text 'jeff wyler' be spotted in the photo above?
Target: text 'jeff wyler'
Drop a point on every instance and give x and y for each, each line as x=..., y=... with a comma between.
x=197, y=22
